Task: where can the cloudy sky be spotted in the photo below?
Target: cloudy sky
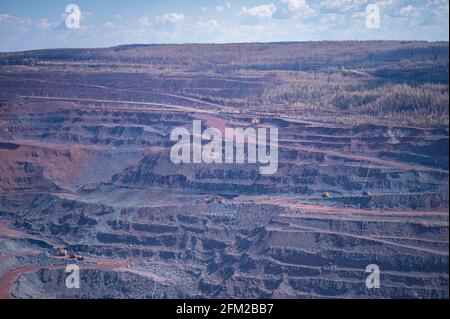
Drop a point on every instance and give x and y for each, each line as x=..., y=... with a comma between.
x=30, y=24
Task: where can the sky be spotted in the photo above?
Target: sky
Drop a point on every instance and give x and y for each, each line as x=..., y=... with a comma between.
x=31, y=24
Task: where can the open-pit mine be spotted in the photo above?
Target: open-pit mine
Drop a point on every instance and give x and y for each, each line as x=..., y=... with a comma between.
x=86, y=176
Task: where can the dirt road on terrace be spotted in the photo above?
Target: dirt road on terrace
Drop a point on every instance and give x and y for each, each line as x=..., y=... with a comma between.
x=8, y=280
x=287, y=202
x=169, y=106
x=7, y=231
x=18, y=253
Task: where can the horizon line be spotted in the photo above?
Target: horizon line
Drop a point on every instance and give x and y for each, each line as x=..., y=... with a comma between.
x=218, y=43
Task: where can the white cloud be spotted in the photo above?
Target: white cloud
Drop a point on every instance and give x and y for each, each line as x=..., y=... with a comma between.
x=85, y=15
x=109, y=25
x=172, y=17
x=409, y=11
x=439, y=4
x=385, y=3
x=18, y=23
x=144, y=22
x=358, y=7
x=209, y=25
x=44, y=25
x=221, y=8
x=332, y=18
x=342, y=5
x=298, y=6
x=262, y=11
x=204, y=9
x=440, y=9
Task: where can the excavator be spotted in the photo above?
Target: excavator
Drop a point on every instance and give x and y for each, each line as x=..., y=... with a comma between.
x=256, y=120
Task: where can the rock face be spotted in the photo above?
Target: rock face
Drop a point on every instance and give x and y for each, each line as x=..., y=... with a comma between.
x=91, y=172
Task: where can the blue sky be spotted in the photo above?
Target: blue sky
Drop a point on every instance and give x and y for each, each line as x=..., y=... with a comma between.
x=27, y=24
